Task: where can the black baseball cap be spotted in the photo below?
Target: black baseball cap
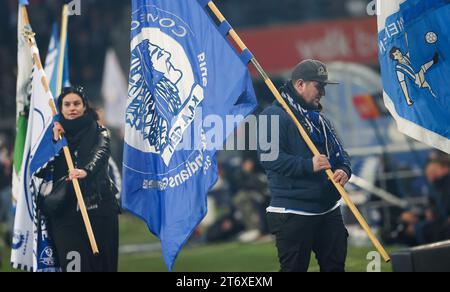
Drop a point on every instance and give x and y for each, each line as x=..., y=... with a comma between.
x=311, y=70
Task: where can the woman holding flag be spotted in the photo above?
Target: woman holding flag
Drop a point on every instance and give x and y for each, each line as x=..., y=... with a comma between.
x=89, y=144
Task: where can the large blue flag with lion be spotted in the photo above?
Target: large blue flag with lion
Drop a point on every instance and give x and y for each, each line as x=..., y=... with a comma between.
x=183, y=71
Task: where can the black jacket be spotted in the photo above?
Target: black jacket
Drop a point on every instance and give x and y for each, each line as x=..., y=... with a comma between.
x=98, y=182
x=292, y=181
x=97, y=188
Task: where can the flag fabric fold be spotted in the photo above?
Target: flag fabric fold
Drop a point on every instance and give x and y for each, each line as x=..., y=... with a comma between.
x=414, y=38
x=31, y=248
x=183, y=72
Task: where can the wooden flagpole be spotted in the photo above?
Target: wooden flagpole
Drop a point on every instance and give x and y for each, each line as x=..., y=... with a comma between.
x=34, y=50
x=304, y=135
x=62, y=48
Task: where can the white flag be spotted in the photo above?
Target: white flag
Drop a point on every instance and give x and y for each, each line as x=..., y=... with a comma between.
x=30, y=249
x=114, y=91
x=24, y=68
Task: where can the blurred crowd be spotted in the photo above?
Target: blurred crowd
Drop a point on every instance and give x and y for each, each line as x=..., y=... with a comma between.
x=430, y=223
x=238, y=201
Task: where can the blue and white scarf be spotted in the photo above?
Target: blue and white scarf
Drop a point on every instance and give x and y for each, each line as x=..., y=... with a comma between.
x=319, y=129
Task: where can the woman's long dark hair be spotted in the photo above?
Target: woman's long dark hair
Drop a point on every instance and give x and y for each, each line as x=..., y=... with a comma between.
x=78, y=90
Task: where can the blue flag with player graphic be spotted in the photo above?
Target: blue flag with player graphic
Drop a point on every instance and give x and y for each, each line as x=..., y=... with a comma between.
x=183, y=71
x=414, y=38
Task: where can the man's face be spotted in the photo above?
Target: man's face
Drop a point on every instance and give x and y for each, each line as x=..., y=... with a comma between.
x=397, y=55
x=311, y=91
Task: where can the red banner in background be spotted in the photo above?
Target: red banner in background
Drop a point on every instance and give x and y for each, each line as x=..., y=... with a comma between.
x=366, y=107
x=280, y=48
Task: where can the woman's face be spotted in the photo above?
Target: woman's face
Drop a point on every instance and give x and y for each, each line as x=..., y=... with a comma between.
x=72, y=106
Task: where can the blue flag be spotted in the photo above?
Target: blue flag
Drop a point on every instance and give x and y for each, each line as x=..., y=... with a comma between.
x=414, y=38
x=182, y=68
x=52, y=62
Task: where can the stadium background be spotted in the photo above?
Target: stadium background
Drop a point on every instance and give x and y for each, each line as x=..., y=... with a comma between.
x=280, y=33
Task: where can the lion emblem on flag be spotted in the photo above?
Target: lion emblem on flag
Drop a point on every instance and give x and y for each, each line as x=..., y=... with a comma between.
x=162, y=93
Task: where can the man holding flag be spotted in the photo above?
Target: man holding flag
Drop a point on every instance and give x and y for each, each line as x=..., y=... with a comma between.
x=413, y=51
x=181, y=68
x=304, y=212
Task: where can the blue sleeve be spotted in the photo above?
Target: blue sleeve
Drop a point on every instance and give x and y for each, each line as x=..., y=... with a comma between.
x=285, y=164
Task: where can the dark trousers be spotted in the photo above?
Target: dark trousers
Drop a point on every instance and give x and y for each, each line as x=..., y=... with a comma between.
x=69, y=235
x=296, y=236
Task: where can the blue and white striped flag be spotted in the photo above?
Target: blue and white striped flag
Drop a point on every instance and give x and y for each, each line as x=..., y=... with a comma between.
x=52, y=62
x=414, y=42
